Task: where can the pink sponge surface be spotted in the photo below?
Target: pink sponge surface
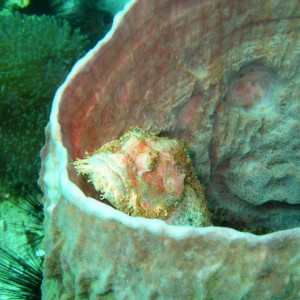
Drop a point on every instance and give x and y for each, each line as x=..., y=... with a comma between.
x=254, y=89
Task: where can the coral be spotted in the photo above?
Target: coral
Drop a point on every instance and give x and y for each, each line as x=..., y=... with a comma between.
x=37, y=53
x=93, y=18
x=6, y=6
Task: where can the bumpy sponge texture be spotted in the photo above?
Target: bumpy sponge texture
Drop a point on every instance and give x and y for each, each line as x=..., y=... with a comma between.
x=254, y=90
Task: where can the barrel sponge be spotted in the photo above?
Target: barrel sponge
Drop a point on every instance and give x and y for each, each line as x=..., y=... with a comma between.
x=37, y=53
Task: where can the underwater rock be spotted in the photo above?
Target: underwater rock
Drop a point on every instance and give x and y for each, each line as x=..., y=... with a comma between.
x=222, y=75
x=147, y=176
